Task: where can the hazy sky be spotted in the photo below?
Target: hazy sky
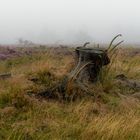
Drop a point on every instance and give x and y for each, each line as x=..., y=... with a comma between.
x=51, y=21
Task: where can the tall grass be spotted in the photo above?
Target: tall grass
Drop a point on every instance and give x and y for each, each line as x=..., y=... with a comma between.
x=108, y=117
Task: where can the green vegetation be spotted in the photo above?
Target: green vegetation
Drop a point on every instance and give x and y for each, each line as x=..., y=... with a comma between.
x=111, y=114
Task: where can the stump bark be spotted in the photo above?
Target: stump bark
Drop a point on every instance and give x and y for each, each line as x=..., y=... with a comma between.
x=93, y=59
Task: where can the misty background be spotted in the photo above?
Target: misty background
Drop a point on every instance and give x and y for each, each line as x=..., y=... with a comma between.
x=69, y=21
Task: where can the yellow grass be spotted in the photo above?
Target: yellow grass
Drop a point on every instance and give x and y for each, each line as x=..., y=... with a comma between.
x=107, y=117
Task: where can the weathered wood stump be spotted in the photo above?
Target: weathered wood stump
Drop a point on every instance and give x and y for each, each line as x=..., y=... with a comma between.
x=89, y=63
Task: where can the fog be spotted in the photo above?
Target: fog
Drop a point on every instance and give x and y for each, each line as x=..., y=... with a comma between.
x=69, y=21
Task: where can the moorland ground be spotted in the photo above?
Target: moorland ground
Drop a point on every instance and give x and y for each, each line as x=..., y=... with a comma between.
x=113, y=113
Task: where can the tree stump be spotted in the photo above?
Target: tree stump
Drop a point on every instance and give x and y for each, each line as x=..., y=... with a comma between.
x=89, y=63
